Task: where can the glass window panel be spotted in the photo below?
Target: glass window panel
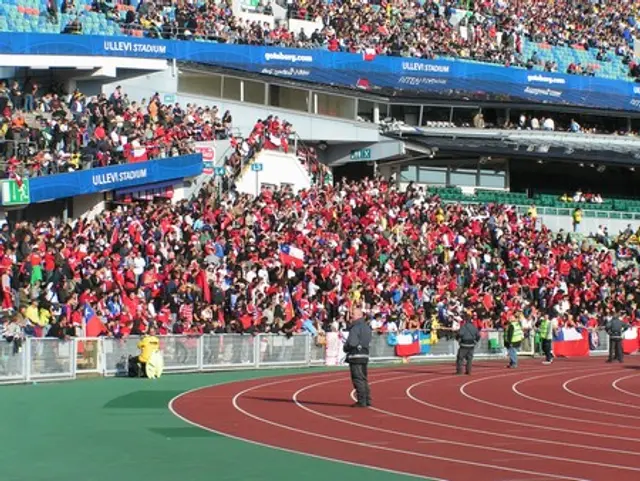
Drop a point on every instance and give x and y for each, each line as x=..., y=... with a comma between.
x=433, y=175
x=231, y=88
x=462, y=177
x=493, y=181
x=254, y=92
x=336, y=106
x=409, y=174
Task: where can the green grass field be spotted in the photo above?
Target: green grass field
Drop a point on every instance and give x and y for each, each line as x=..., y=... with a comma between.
x=119, y=428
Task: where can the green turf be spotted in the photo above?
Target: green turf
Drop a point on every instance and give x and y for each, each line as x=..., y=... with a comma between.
x=121, y=429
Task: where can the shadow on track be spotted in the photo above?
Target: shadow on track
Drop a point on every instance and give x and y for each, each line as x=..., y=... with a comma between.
x=290, y=401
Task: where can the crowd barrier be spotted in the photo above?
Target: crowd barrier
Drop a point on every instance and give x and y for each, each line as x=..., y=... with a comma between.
x=41, y=359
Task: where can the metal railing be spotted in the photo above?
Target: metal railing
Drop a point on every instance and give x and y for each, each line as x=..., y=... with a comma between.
x=41, y=359
x=559, y=211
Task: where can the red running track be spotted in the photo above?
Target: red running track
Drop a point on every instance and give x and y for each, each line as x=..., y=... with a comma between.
x=574, y=420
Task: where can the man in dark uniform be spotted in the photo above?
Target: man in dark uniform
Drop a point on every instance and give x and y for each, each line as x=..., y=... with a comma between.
x=357, y=349
x=615, y=328
x=467, y=336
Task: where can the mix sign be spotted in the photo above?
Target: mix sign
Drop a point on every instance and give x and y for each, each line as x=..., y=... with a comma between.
x=208, y=151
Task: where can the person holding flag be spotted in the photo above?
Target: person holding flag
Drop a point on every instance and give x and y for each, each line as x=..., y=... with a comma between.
x=357, y=350
x=468, y=336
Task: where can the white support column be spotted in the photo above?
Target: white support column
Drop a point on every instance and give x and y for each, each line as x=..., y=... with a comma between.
x=376, y=113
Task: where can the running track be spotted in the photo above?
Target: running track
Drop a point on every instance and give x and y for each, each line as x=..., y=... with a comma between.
x=575, y=420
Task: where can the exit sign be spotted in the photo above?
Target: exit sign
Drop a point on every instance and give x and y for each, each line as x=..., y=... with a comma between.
x=362, y=154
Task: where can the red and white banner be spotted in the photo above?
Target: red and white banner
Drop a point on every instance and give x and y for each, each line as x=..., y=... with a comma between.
x=630, y=341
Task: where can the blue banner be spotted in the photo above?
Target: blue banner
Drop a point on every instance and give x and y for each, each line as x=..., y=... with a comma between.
x=444, y=78
x=113, y=178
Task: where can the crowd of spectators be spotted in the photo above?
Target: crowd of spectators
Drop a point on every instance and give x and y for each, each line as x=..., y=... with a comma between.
x=270, y=133
x=46, y=133
x=548, y=122
x=489, y=30
x=582, y=197
x=214, y=264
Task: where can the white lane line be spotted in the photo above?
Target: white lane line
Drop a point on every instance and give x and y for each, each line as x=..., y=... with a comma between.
x=285, y=450
x=507, y=421
x=461, y=444
x=618, y=388
x=515, y=389
x=502, y=434
x=530, y=413
x=566, y=387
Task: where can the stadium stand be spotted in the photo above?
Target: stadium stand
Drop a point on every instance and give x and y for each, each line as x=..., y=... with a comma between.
x=284, y=262
x=586, y=38
x=49, y=134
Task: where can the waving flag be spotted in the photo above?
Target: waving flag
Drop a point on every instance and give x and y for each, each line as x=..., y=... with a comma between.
x=569, y=342
x=289, y=310
x=291, y=255
x=408, y=344
x=425, y=342
x=369, y=54
x=138, y=154
x=363, y=83
x=93, y=324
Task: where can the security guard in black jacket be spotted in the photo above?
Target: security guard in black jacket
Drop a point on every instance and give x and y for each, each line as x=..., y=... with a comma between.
x=357, y=349
x=615, y=328
x=468, y=336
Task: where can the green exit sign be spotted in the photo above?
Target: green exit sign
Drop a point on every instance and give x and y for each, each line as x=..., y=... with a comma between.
x=362, y=154
x=15, y=193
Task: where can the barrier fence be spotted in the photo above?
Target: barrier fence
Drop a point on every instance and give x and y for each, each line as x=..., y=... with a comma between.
x=41, y=359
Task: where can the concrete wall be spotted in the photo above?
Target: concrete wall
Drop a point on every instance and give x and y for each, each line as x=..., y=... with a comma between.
x=589, y=225
x=309, y=27
x=88, y=205
x=144, y=86
x=341, y=154
x=256, y=17
x=278, y=168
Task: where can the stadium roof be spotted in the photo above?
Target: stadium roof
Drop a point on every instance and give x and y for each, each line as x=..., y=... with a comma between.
x=521, y=143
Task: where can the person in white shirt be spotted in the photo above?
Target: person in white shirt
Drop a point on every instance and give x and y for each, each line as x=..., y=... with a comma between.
x=549, y=124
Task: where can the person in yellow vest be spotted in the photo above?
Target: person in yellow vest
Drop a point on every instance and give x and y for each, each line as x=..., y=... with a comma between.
x=533, y=212
x=565, y=198
x=577, y=219
x=513, y=338
x=148, y=345
x=546, y=328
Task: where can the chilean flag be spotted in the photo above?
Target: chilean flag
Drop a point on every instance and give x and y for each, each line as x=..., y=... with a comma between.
x=369, y=54
x=408, y=344
x=138, y=154
x=93, y=324
x=289, y=310
x=291, y=255
x=569, y=342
